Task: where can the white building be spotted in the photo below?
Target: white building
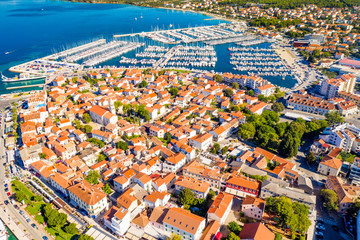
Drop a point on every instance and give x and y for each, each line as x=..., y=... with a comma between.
x=201, y=142
x=174, y=163
x=220, y=208
x=355, y=172
x=117, y=220
x=88, y=198
x=182, y=222
x=330, y=87
x=253, y=207
x=102, y=116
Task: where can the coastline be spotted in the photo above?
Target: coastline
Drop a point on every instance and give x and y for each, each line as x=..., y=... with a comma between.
x=212, y=15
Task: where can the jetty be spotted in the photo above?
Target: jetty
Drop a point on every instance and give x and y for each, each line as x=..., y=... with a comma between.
x=25, y=86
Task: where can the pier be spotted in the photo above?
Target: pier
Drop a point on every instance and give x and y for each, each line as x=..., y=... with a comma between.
x=25, y=86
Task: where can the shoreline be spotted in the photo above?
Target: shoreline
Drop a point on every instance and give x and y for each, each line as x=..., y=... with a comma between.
x=212, y=15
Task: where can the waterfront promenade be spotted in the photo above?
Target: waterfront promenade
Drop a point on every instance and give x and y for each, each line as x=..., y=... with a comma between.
x=15, y=229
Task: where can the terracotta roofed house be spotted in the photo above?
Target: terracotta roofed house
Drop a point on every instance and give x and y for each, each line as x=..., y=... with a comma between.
x=184, y=223
x=256, y=231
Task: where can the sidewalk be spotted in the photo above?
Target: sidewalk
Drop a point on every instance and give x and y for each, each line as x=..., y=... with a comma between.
x=8, y=221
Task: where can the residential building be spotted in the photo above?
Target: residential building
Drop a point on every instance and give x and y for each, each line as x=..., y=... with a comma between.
x=241, y=186
x=117, y=220
x=198, y=187
x=253, y=207
x=355, y=172
x=201, y=142
x=273, y=189
x=184, y=223
x=220, y=208
x=347, y=194
x=88, y=198
x=256, y=231
x=345, y=83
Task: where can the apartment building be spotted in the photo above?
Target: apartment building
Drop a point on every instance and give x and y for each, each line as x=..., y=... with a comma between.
x=355, y=172
x=184, y=223
x=345, y=83
x=198, y=187
x=88, y=198
x=310, y=104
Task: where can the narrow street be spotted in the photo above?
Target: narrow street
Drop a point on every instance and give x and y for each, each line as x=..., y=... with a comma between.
x=28, y=231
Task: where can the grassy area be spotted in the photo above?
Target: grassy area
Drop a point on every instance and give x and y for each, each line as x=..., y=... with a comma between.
x=35, y=207
x=17, y=186
x=40, y=219
x=59, y=234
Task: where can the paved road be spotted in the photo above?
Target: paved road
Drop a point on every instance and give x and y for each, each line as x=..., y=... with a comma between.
x=35, y=233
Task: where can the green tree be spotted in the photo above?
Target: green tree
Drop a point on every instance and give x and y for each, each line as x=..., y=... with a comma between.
x=122, y=145
x=278, y=107
x=61, y=220
x=251, y=93
x=289, y=145
x=86, y=117
x=234, y=227
x=211, y=194
x=106, y=188
x=42, y=155
x=19, y=196
x=101, y=157
x=330, y=199
x=173, y=91
x=235, y=85
x=232, y=236
x=333, y=117
x=278, y=236
x=216, y=147
x=143, y=84
x=270, y=116
x=228, y=92
x=246, y=131
x=85, y=237
x=36, y=198
x=218, y=78
x=167, y=137
x=186, y=197
x=281, y=128
x=310, y=158
x=174, y=237
x=88, y=128
x=71, y=229
x=224, y=150
x=93, y=177
x=52, y=219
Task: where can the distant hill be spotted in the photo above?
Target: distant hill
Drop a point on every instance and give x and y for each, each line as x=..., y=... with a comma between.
x=296, y=3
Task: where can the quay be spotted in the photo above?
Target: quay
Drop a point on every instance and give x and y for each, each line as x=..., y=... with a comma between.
x=25, y=86
x=13, y=227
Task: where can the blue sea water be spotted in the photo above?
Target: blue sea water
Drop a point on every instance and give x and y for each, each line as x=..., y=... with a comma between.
x=32, y=29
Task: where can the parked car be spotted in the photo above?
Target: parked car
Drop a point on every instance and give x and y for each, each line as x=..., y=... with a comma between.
x=6, y=202
x=45, y=238
x=8, y=193
x=34, y=226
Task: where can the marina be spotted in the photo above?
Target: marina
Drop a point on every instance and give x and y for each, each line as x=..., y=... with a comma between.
x=193, y=48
